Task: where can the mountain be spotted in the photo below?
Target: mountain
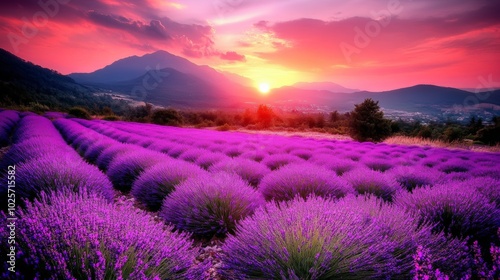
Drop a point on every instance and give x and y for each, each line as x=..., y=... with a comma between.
x=174, y=88
x=328, y=86
x=188, y=78
x=134, y=66
x=419, y=98
x=24, y=83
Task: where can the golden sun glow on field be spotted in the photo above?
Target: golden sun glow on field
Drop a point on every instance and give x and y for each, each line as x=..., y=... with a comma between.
x=264, y=88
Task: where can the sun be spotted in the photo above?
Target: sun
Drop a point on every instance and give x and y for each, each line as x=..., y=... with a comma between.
x=264, y=88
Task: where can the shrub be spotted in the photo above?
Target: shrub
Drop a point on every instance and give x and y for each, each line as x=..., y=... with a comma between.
x=124, y=169
x=303, y=180
x=232, y=151
x=338, y=165
x=457, y=210
x=367, y=122
x=81, y=236
x=108, y=154
x=211, y=204
x=479, y=171
x=411, y=177
x=367, y=181
x=79, y=112
x=378, y=164
x=111, y=118
x=257, y=156
x=166, y=117
x=302, y=153
x=249, y=170
x=455, y=166
x=278, y=160
x=178, y=150
x=321, y=239
x=56, y=172
x=192, y=155
x=94, y=150
x=158, y=181
x=209, y=158
x=34, y=126
x=35, y=147
x=489, y=187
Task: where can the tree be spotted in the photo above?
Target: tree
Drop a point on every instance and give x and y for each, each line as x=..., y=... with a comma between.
x=79, y=112
x=367, y=122
x=166, y=117
x=264, y=115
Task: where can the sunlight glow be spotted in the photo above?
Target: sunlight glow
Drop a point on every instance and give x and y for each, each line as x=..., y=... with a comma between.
x=264, y=88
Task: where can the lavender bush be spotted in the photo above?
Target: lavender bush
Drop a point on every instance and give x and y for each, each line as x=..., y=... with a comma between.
x=8, y=120
x=338, y=165
x=80, y=236
x=33, y=148
x=55, y=173
x=211, y=204
x=321, y=239
x=107, y=155
x=34, y=126
x=302, y=180
x=249, y=170
x=367, y=181
x=124, y=169
x=457, y=210
x=209, y=158
x=276, y=161
x=158, y=181
x=411, y=177
x=257, y=156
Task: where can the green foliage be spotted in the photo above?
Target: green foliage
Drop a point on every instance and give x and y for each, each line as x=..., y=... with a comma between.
x=79, y=112
x=111, y=118
x=166, y=117
x=489, y=135
x=453, y=133
x=367, y=122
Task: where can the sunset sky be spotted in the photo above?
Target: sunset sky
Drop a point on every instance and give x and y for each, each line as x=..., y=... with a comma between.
x=366, y=44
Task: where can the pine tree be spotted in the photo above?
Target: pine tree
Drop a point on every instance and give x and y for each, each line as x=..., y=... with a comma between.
x=367, y=122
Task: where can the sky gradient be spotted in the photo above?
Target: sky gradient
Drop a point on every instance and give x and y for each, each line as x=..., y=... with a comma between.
x=367, y=44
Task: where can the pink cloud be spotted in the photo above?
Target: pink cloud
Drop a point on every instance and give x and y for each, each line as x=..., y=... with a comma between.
x=233, y=56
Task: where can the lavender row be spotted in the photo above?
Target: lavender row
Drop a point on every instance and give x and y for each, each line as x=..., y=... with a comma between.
x=8, y=121
x=65, y=235
x=193, y=199
x=44, y=162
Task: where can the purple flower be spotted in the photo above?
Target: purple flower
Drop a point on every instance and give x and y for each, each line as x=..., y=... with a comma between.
x=458, y=210
x=210, y=205
x=158, y=181
x=367, y=181
x=249, y=170
x=81, y=236
x=303, y=179
x=124, y=169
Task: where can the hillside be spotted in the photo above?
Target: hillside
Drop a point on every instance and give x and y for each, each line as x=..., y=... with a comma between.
x=23, y=83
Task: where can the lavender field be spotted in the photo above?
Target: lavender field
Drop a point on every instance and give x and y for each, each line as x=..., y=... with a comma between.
x=118, y=200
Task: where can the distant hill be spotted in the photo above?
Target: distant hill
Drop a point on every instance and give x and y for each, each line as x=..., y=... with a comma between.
x=415, y=98
x=24, y=83
x=204, y=84
x=328, y=86
x=174, y=88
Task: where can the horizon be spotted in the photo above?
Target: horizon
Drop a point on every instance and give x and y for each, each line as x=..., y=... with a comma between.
x=381, y=46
